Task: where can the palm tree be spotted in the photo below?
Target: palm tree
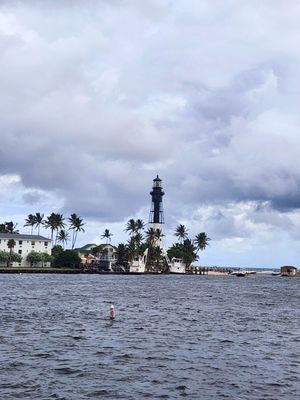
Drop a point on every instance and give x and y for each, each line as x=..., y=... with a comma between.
x=131, y=249
x=51, y=223
x=159, y=234
x=201, y=241
x=122, y=255
x=38, y=217
x=10, y=244
x=181, y=233
x=54, y=222
x=76, y=224
x=131, y=227
x=151, y=236
x=8, y=227
x=107, y=235
x=138, y=238
x=63, y=237
x=30, y=221
x=154, y=236
x=139, y=225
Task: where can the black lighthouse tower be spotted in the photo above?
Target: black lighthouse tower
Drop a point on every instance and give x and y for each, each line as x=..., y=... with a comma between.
x=156, y=213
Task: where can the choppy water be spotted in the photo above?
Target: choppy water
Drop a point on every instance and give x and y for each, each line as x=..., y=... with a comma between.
x=196, y=337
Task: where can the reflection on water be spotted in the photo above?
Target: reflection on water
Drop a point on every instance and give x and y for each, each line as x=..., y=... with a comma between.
x=197, y=337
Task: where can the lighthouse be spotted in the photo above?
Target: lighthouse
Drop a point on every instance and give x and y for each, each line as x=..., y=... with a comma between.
x=156, y=218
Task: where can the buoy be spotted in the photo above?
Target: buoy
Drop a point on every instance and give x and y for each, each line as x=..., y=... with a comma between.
x=112, y=313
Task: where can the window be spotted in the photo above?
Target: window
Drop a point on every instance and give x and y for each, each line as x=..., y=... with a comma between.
x=20, y=242
x=46, y=244
x=32, y=243
x=20, y=251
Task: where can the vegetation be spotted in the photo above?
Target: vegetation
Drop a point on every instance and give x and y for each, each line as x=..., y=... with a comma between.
x=67, y=259
x=54, y=222
x=122, y=255
x=186, y=248
x=8, y=227
x=107, y=235
x=181, y=233
x=76, y=225
x=139, y=240
x=63, y=237
x=10, y=244
x=6, y=258
x=36, y=258
x=30, y=221
x=201, y=241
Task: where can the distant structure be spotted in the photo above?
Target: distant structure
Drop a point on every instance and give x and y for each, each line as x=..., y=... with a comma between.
x=104, y=255
x=288, y=270
x=156, y=218
x=156, y=221
x=25, y=244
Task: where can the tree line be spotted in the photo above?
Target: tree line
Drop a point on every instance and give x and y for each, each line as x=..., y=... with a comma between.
x=140, y=239
x=60, y=230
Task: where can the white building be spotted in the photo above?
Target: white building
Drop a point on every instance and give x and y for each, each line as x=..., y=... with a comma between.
x=24, y=245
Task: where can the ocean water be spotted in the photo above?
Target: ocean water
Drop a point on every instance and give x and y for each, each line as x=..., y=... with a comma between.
x=174, y=337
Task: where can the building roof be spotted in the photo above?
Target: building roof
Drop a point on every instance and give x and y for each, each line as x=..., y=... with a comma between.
x=20, y=236
x=87, y=246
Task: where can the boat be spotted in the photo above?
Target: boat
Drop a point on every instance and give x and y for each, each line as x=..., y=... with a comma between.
x=176, y=266
x=239, y=273
x=138, y=263
x=243, y=272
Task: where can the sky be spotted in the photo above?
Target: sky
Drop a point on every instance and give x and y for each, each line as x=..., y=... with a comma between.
x=98, y=97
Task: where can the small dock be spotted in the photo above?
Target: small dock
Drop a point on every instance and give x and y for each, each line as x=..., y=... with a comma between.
x=197, y=270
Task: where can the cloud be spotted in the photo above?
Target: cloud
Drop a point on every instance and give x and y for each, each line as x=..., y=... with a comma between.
x=97, y=97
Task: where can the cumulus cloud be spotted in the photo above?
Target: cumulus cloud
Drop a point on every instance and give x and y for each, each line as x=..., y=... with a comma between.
x=97, y=97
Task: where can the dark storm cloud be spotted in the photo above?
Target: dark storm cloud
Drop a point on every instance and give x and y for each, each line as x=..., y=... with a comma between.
x=98, y=97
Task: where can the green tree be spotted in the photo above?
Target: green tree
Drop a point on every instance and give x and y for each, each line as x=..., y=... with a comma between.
x=67, y=259
x=34, y=258
x=30, y=221
x=131, y=227
x=122, y=255
x=107, y=235
x=76, y=225
x=63, y=237
x=154, y=236
x=201, y=241
x=55, y=252
x=46, y=258
x=15, y=258
x=54, y=222
x=181, y=233
x=185, y=250
x=8, y=227
x=10, y=244
x=4, y=256
x=139, y=225
x=38, y=218
x=151, y=237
